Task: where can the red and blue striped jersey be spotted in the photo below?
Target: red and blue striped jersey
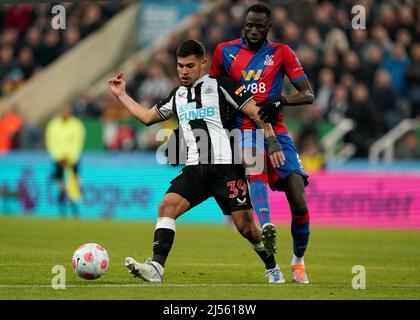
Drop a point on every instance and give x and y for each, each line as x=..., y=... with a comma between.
x=261, y=72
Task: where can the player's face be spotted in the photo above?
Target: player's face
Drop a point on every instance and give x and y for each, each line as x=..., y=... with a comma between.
x=256, y=28
x=190, y=69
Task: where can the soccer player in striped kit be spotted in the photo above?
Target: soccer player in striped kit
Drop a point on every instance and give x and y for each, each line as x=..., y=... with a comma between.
x=204, y=107
x=260, y=65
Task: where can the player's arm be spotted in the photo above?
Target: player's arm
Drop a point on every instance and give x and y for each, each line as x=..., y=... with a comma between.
x=241, y=100
x=274, y=148
x=304, y=94
x=294, y=71
x=144, y=115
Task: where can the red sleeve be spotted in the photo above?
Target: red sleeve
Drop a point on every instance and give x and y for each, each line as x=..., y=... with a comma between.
x=292, y=66
x=216, y=62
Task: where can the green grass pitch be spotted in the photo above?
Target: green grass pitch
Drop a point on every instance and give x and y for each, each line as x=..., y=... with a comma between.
x=206, y=262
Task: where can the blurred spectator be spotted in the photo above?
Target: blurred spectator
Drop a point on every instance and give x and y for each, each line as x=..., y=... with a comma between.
x=17, y=16
x=336, y=40
x=155, y=87
x=338, y=105
x=71, y=38
x=215, y=35
x=407, y=21
x=308, y=58
x=85, y=107
x=413, y=80
x=325, y=90
x=359, y=40
x=380, y=38
x=33, y=40
x=137, y=79
x=322, y=20
x=351, y=65
x=313, y=40
x=279, y=17
x=361, y=111
x=11, y=122
x=397, y=66
x=91, y=19
x=408, y=147
x=384, y=98
x=312, y=156
x=30, y=137
x=13, y=80
x=373, y=61
x=291, y=35
x=310, y=126
x=6, y=61
x=51, y=47
x=26, y=62
x=329, y=60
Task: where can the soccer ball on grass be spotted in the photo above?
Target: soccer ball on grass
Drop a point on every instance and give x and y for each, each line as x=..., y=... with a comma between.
x=90, y=261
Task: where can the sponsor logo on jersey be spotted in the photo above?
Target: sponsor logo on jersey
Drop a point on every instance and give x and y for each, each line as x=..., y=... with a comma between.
x=188, y=112
x=232, y=56
x=251, y=74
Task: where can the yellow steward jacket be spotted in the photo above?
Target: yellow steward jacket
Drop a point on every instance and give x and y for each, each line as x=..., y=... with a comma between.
x=65, y=139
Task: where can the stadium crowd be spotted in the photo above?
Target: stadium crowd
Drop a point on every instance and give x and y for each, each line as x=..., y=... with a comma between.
x=28, y=44
x=370, y=75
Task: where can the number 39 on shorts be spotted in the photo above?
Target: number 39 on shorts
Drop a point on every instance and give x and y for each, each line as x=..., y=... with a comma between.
x=256, y=87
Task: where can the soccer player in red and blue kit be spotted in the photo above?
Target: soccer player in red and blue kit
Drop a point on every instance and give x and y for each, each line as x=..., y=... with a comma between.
x=260, y=65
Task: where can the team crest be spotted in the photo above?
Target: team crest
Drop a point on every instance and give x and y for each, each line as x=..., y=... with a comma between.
x=268, y=60
x=209, y=90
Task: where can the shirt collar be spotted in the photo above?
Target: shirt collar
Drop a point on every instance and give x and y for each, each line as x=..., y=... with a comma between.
x=200, y=80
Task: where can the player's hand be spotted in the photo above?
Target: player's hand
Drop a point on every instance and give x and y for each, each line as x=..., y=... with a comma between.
x=277, y=159
x=271, y=108
x=275, y=152
x=117, y=85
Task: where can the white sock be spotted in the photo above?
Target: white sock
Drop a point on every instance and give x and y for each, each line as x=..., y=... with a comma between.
x=159, y=267
x=257, y=247
x=297, y=260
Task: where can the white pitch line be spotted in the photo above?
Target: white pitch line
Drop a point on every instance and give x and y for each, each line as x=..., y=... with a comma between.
x=22, y=286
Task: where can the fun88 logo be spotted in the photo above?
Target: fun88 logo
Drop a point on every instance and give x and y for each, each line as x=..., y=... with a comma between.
x=188, y=112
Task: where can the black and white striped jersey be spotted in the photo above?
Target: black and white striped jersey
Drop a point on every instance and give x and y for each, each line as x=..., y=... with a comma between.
x=205, y=113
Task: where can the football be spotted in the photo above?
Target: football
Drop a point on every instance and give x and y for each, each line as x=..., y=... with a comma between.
x=90, y=261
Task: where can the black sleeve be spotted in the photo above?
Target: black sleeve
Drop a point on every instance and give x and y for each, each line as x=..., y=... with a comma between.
x=234, y=92
x=166, y=107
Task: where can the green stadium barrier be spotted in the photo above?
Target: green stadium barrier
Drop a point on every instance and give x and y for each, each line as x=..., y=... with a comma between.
x=94, y=138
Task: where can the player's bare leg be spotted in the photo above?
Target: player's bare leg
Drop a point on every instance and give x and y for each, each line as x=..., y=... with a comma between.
x=293, y=186
x=172, y=206
x=248, y=228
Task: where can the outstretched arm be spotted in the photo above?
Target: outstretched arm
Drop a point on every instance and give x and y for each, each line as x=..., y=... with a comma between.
x=272, y=106
x=144, y=115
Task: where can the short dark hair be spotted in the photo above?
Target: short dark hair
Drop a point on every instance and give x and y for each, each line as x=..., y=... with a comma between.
x=259, y=8
x=190, y=47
